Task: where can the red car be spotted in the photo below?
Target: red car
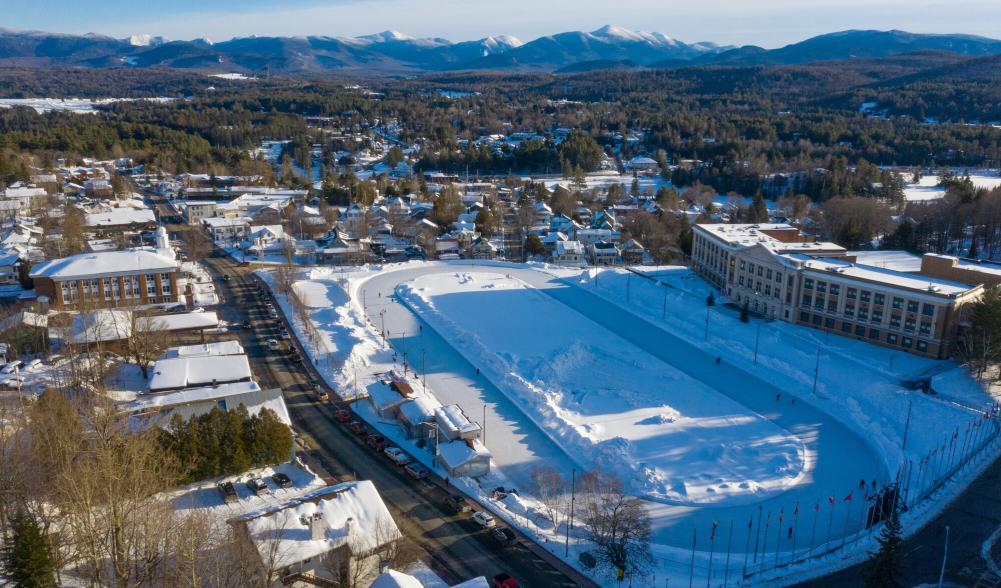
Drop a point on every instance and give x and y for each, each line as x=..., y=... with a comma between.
x=377, y=442
x=343, y=415
x=504, y=581
x=356, y=427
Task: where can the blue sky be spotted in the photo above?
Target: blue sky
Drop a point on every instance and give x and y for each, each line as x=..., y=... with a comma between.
x=770, y=23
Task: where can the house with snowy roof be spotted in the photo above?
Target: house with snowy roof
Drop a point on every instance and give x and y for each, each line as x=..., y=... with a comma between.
x=569, y=254
x=454, y=424
x=336, y=532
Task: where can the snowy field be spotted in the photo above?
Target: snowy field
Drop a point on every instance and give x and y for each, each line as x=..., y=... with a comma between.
x=77, y=105
x=928, y=188
x=580, y=366
x=605, y=400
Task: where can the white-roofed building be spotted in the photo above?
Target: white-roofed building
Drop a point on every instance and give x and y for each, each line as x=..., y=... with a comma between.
x=569, y=254
x=120, y=220
x=464, y=458
x=108, y=278
x=342, y=529
x=454, y=424
x=227, y=230
x=217, y=348
x=187, y=372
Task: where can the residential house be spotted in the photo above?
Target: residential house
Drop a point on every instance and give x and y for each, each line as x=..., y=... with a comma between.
x=197, y=210
x=569, y=254
x=632, y=252
x=603, y=253
x=338, y=531
x=118, y=221
x=227, y=230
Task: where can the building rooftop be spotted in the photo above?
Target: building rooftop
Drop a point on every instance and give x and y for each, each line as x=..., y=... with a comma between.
x=121, y=216
x=185, y=372
x=351, y=513
x=104, y=263
x=901, y=261
x=896, y=279
x=205, y=350
x=747, y=235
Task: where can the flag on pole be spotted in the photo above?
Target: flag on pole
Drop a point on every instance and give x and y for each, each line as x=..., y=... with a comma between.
x=781, y=515
x=848, y=498
x=712, y=534
x=831, y=500
x=816, y=506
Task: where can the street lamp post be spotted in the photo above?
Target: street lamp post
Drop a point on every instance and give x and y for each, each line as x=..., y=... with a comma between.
x=816, y=372
x=573, y=480
x=757, y=337
x=707, y=322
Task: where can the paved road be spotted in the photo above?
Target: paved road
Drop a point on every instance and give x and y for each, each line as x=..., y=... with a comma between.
x=455, y=548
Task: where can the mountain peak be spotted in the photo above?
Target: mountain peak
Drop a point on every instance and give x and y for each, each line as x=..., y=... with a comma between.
x=145, y=40
x=385, y=36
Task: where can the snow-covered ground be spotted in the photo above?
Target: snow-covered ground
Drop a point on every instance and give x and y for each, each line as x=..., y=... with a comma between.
x=928, y=188
x=566, y=335
x=77, y=105
x=605, y=400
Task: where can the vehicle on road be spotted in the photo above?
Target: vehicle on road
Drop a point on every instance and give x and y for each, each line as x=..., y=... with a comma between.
x=296, y=358
x=342, y=415
x=484, y=519
x=356, y=427
x=504, y=581
x=458, y=504
x=273, y=344
x=284, y=334
x=225, y=277
x=416, y=471
x=376, y=441
x=397, y=455
x=228, y=492
x=321, y=393
x=247, y=324
x=272, y=312
x=504, y=536
x=281, y=480
x=258, y=486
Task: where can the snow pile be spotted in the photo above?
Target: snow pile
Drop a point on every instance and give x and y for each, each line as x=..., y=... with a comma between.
x=604, y=400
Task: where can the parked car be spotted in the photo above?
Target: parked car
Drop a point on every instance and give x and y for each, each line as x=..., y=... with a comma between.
x=10, y=367
x=281, y=480
x=273, y=344
x=247, y=324
x=272, y=312
x=321, y=393
x=228, y=492
x=458, y=504
x=342, y=415
x=376, y=441
x=396, y=454
x=416, y=471
x=504, y=536
x=225, y=277
x=33, y=365
x=296, y=358
x=504, y=581
x=356, y=427
x=258, y=486
x=484, y=519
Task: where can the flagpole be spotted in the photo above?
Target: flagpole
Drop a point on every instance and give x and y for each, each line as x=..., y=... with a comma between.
x=729, y=543
x=813, y=534
x=830, y=524
x=778, y=538
x=795, y=527
x=848, y=513
x=712, y=549
x=747, y=546
x=757, y=535
x=764, y=543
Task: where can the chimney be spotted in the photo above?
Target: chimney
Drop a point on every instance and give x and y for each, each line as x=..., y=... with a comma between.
x=349, y=526
x=317, y=529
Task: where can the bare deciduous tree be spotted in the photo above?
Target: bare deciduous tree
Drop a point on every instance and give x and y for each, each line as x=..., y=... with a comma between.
x=551, y=490
x=616, y=522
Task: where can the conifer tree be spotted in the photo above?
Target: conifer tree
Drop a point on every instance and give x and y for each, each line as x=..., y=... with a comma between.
x=28, y=560
x=883, y=569
x=758, y=212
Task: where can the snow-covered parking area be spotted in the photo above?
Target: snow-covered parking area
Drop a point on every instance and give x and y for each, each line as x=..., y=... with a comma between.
x=573, y=369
